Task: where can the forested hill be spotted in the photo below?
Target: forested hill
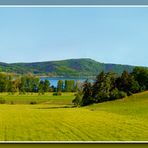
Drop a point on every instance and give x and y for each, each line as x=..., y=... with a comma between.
x=71, y=67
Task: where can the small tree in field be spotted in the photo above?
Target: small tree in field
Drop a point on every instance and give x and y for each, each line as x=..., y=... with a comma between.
x=87, y=94
x=60, y=86
x=78, y=99
x=46, y=86
x=69, y=85
x=41, y=87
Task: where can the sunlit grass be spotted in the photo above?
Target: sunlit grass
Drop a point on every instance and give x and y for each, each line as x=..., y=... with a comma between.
x=120, y=120
x=16, y=98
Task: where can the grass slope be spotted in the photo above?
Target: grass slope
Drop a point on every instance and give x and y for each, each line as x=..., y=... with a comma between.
x=71, y=67
x=120, y=120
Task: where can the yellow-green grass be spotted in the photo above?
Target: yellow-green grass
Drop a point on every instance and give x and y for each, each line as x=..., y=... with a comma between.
x=65, y=98
x=120, y=120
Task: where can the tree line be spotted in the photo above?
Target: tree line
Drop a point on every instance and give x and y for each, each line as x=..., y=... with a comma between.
x=109, y=86
x=30, y=83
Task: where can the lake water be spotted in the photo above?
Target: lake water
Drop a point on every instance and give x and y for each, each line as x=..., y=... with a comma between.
x=54, y=80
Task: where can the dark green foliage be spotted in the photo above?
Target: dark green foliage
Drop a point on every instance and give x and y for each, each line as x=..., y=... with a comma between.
x=109, y=87
x=78, y=99
x=28, y=83
x=46, y=85
x=127, y=83
x=116, y=94
x=141, y=76
x=102, y=87
x=11, y=102
x=57, y=94
x=69, y=86
x=53, y=89
x=3, y=82
x=87, y=94
x=97, y=85
x=121, y=95
x=2, y=100
x=60, y=86
x=134, y=85
x=123, y=82
x=41, y=87
x=33, y=102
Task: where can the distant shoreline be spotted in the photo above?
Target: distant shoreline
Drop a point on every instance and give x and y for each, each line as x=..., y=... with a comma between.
x=81, y=77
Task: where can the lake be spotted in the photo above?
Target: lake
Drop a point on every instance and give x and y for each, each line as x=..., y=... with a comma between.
x=54, y=80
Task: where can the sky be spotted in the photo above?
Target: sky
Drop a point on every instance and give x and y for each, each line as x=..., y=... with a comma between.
x=109, y=35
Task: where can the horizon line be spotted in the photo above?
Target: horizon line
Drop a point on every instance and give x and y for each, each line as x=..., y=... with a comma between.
x=29, y=62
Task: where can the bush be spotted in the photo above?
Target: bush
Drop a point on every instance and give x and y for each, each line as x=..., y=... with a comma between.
x=78, y=100
x=116, y=94
x=129, y=93
x=57, y=94
x=33, y=102
x=11, y=102
x=2, y=101
x=122, y=94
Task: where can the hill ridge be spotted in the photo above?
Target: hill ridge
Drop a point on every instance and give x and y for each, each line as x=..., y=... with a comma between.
x=66, y=67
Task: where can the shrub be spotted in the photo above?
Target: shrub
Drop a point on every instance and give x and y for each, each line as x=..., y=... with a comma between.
x=78, y=100
x=57, y=94
x=33, y=102
x=122, y=94
x=116, y=94
x=2, y=101
x=129, y=93
x=22, y=93
x=11, y=102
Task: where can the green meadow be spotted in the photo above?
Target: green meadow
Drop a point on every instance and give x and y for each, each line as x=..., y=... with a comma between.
x=53, y=118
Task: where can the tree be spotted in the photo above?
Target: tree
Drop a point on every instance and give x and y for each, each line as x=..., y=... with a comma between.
x=96, y=89
x=141, y=76
x=41, y=87
x=87, y=94
x=46, y=85
x=103, y=85
x=60, y=86
x=69, y=85
x=125, y=82
x=28, y=83
x=134, y=86
x=3, y=82
x=17, y=82
x=11, y=88
x=78, y=99
x=53, y=89
x=35, y=84
x=110, y=87
x=116, y=94
x=78, y=86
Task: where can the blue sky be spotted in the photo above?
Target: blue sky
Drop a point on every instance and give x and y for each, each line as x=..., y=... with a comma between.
x=109, y=35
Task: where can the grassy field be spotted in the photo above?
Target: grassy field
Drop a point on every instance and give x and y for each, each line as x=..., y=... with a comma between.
x=53, y=119
x=65, y=98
